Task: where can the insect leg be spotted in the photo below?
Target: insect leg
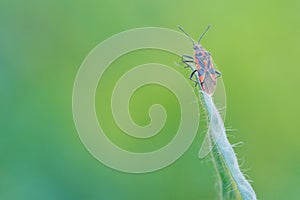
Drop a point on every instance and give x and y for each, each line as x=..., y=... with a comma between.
x=187, y=62
x=186, y=56
x=191, y=76
x=219, y=74
x=188, y=65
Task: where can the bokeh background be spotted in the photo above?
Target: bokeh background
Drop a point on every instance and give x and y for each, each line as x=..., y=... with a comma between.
x=255, y=44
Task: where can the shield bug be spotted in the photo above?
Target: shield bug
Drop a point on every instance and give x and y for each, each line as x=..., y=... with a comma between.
x=202, y=59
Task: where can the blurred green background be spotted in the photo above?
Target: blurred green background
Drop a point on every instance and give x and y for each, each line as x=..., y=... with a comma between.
x=255, y=44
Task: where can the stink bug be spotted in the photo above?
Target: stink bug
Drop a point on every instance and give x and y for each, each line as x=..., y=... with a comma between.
x=202, y=59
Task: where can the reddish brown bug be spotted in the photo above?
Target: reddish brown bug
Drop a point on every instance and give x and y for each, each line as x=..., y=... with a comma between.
x=202, y=59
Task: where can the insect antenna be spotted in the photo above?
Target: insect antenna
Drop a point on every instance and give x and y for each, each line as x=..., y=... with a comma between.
x=203, y=34
x=180, y=28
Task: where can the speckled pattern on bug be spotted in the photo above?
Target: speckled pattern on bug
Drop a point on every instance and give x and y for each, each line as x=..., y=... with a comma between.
x=202, y=59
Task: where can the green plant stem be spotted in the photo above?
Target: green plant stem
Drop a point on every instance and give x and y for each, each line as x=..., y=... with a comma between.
x=233, y=183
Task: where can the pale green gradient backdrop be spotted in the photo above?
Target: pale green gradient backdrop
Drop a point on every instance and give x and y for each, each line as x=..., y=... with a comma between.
x=42, y=44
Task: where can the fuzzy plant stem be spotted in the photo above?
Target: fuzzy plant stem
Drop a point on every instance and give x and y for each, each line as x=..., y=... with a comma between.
x=233, y=183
